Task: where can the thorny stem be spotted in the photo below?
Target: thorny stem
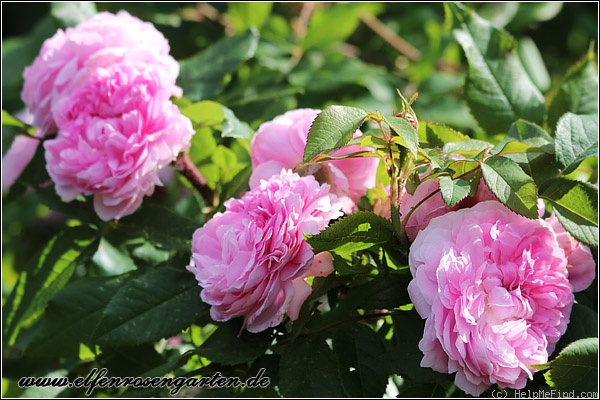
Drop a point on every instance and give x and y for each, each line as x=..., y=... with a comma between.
x=394, y=184
x=430, y=195
x=186, y=167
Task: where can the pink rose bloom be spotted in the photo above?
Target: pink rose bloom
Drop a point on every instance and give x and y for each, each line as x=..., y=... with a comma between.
x=434, y=206
x=251, y=260
x=280, y=144
x=99, y=41
x=117, y=128
x=494, y=288
x=581, y=265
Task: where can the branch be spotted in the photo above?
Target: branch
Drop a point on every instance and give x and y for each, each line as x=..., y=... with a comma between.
x=186, y=167
x=390, y=37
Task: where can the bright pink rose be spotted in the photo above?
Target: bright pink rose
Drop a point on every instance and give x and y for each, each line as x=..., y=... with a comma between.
x=494, y=288
x=117, y=128
x=434, y=206
x=251, y=260
x=97, y=42
x=280, y=144
x=581, y=265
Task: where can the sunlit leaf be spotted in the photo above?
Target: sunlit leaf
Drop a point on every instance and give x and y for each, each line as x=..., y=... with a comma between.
x=358, y=231
x=453, y=190
x=576, y=139
x=511, y=185
x=434, y=134
x=407, y=135
x=139, y=310
x=332, y=129
x=498, y=89
x=575, y=368
x=576, y=207
x=44, y=276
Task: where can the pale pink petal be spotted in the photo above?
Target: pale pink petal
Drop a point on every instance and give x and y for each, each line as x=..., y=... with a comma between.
x=16, y=159
x=322, y=265
x=301, y=292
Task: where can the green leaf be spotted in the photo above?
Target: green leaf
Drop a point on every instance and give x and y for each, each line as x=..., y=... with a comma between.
x=9, y=120
x=405, y=357
x=158, y=304
x=235, y=187
x=205, y=113
x=530, y=13
x=462, y=168
x=202, y=75
x=203, y=146
x=538, y=161
x=332, y=129
x=513, y=187
x=434, y=134
x=575, y=368
x=246, y=15
x=161, y=226
x=336, y=72
x=498, y=89
x=467, y=148
x=359, y=350
x=230, y=345
x=530, y=133
x=513, y=147
x=406, y=133
x=69, y=14
x=468, y=171
x=233, y=127
x=576, y=139
x=72, y=315
x=578, y=91
x=533, y=63
x=379, y=293
x=453, y=190
x=358, y=231
x=111, y=261
x=583, y=323
x=321, y=32
x=309, y=368
x=430, y=390
x=575, y=204
x=44, y=276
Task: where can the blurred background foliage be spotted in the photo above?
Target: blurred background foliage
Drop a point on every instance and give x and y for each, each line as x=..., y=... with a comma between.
x=260, y=60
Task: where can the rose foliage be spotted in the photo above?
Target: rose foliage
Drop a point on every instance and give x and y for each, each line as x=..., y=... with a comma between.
x=265, y=200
